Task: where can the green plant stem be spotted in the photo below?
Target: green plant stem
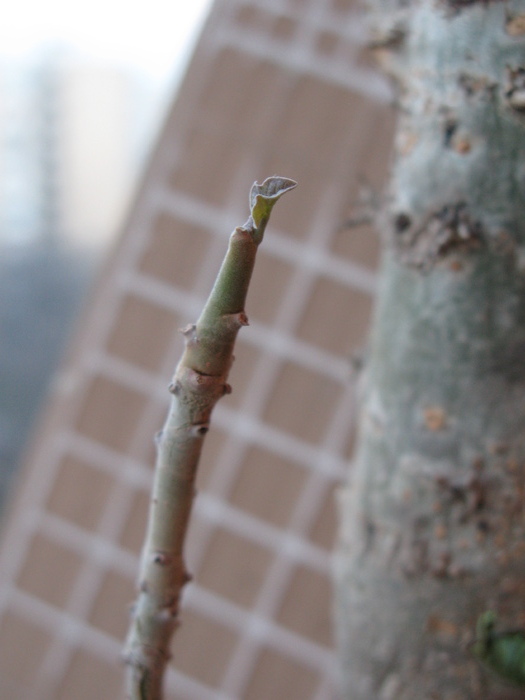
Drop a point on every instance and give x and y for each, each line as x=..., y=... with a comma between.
x=199, y=381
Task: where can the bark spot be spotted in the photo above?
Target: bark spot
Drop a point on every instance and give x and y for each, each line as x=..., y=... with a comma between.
x=440, y=531
x=456, y=6
x=504, y=244
x=392, y=39
x=455, y=265
x=440, y=566
x=483, y=527
x=473, y=85
x=402, y=222
x=462, y=145
x=515, y=25
x=455, y=138
x=515, y=92
x=199, y=429
x=435, y=418
x=450, y=230
x=441, y=627
x=450, y=129
x=470, y=491
x=414, y=558
x=161, y=558
x=406, y=141
x=369, y=535
x=498, y=448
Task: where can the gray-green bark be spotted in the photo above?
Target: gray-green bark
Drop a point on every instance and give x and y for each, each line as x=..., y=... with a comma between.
x=433, y=518
x=200, y=380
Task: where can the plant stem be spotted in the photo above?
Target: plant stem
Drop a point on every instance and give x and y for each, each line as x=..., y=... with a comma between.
x=199, y=381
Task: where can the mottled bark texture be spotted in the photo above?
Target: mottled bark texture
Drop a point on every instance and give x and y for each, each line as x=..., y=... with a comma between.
x=200, y=380
x=433, y=519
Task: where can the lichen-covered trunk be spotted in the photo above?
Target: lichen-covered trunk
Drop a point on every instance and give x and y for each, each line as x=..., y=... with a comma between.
x=433, y=519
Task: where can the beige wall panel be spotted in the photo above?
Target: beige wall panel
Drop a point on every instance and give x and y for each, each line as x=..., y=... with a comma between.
x=324, y=528
x=279, y=677
x=110, y=413
x=81, y=493
x=331, y=300
x=275, y=87
x=307, y=584
x=88, y=677
x=175, y=250
x=138, y=321
x=20, y=640
x=255, y=488
x=302, y=403
x=49, y=571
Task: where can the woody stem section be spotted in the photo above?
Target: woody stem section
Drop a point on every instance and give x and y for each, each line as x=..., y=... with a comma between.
x=433, y=516
x=199, y=381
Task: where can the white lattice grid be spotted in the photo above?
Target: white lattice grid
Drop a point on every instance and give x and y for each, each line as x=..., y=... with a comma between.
x=324, y=464
x=291, y=547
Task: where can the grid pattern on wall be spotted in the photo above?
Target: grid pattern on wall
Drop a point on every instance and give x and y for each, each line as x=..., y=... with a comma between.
x=279, y=87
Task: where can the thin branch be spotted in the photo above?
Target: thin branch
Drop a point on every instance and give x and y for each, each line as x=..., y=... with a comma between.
x=199, y=381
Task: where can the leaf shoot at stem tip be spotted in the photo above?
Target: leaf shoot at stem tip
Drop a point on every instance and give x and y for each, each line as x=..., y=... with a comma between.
x=264, y=196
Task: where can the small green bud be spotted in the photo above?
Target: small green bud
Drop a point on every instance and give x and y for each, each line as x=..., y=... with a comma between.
x=263, y=197
x=503, y=653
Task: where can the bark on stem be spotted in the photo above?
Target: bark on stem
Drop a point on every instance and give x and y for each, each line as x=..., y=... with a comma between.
x=433, y=521
x=199, y=381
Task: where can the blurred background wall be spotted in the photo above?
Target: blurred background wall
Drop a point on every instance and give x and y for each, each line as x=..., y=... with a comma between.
x=82, y=93
x=281, y=87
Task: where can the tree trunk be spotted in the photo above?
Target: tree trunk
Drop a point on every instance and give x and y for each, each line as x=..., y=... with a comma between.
x=433, y=519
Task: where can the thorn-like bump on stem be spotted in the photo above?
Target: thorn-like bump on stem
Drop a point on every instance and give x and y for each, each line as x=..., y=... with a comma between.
x=174, y=388
x=161, y=558
x=199, y=430
x=237, y=320
x=167, y=614
x=190, y=334
x=189, y=329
